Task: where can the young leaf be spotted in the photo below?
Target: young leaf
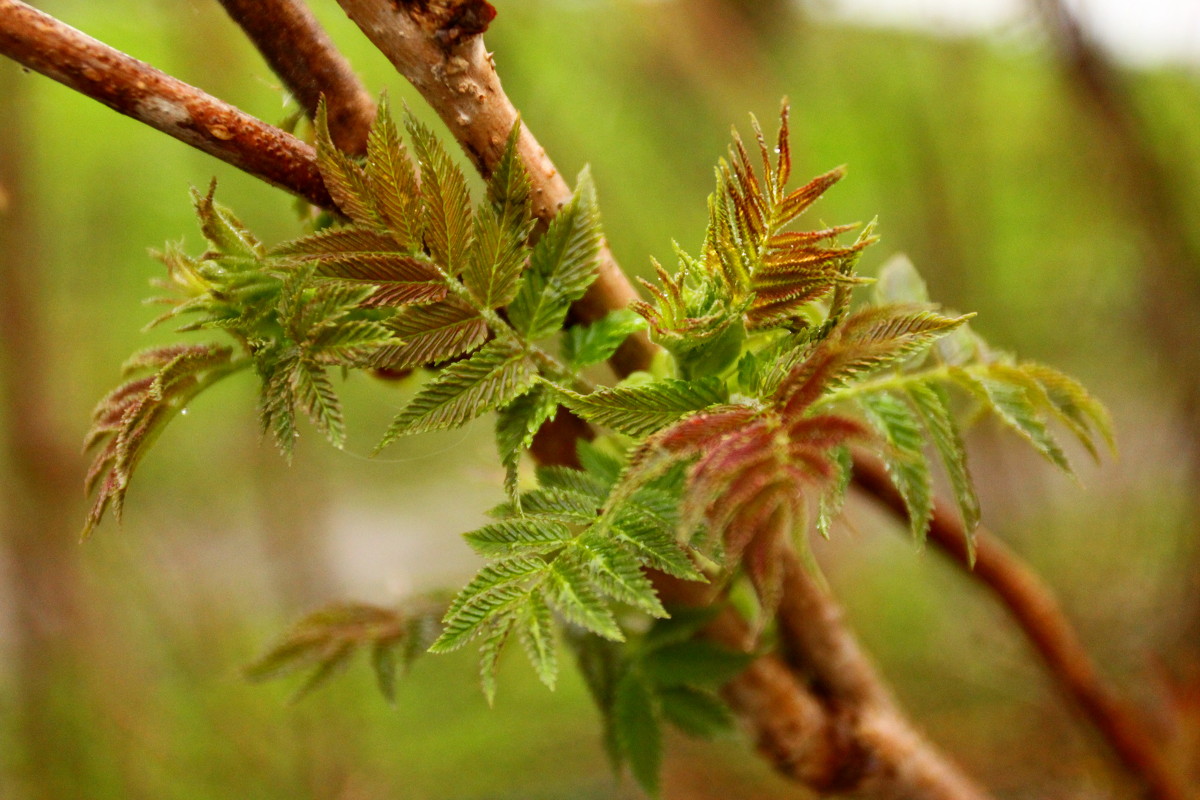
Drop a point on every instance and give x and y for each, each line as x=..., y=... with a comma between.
x=392, y=180
x=516, y=425
x=562, y=265
x=431, y=334
x=904, y=458
x=131, y=416
x=1008, y=394
x=696, y=712
x=346, y=181
x=495, y=375
x=931, y=403
x=584, y=345
x=641, y=409
x=638, y=732
x=493, y=268
x=224, y=232
x=446, y=203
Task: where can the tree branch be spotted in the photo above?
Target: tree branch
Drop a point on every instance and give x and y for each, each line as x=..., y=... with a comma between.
x=1036, y=611
x=138, y=90
x=301, y=53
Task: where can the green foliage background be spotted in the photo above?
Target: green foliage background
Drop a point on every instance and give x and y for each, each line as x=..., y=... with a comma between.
x=977, y=164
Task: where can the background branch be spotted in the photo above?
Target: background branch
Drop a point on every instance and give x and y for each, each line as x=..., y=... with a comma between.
x=1033, y=605
x=301, y=53
x=136, y=89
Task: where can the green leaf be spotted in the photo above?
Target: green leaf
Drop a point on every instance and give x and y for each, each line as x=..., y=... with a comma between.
x=638, y=732
x=497, y=590
x=516, y=425
x=584, y=345
x=535, y=630
x=563, y=264
x=1008, y=394
x=641, y=409
x=697, y=662
x=904, y=457
x=899, y=282
x=316, y=396
x=490, y=652
x=834, y=497
x=447, y=205
x=433, y=333
x=392, y=180
x=931, y=403
x=570, y=591
x=346, y=181
x=222, y=229
x=654, y=542
x=520, y=536
x=495, y=375
x=617, y=573
x=696, y=712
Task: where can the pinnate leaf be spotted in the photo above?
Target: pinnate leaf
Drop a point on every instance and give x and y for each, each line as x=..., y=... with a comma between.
x=432, y=333
x=495, y=375
x=584, y=345
x=562, y=265
x=641, y=409
x=904, y=456
x=392, y=180
x=446, y=203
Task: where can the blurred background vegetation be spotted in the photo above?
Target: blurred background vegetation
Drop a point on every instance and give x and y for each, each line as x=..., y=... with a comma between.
x=1060, y=208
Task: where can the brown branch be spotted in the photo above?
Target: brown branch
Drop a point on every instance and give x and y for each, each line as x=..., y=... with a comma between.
x=138, y=90
x=301, y=53
x=1033, y=606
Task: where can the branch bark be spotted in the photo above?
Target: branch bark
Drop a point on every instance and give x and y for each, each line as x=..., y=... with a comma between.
x=301, y=53
x=136, y=89
x=1034, y=608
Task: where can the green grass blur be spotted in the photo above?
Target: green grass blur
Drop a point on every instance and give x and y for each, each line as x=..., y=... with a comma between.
x=977, y=163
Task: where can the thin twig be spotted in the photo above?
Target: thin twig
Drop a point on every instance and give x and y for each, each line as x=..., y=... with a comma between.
x=301, y=53
x=1033, y=605
x=136, y=89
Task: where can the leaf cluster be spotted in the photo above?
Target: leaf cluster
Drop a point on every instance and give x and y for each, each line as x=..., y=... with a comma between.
x=551, y=552
x=325, y=642
x=717, y=461
x=667, y=675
